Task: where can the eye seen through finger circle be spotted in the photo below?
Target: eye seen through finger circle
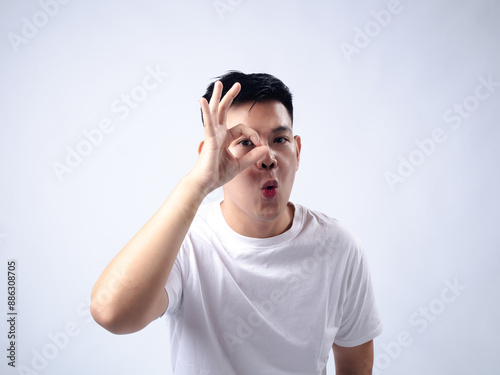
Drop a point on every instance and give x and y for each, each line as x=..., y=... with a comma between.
x=245, y=142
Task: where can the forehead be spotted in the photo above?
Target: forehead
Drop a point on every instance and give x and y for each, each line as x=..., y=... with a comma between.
x=260, y=116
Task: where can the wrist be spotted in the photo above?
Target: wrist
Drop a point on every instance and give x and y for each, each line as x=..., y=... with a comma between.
x=199, y=189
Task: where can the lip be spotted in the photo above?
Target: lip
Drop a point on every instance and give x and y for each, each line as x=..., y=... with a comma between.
x=270, y=184
x=269, y=189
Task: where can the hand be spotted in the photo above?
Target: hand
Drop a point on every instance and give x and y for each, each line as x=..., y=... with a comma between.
x=216, y=165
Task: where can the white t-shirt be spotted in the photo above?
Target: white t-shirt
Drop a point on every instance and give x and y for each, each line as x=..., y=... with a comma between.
x=240, y=305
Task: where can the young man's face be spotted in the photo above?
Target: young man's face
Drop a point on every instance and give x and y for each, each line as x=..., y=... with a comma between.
x=255, y=201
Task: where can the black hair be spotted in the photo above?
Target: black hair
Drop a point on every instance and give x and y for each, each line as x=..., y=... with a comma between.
x=255, y=87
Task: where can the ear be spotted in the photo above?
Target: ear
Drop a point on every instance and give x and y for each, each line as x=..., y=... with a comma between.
x=200, y=147
x=298, y=146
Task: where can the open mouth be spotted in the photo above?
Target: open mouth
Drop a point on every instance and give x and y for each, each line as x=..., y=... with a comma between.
x=269, y=189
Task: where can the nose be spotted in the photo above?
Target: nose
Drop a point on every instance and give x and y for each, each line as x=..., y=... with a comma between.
x=268, y=161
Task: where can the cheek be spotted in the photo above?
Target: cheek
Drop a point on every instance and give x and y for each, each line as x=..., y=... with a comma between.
x=243, y=181
x=289, y=168
x=289, y=162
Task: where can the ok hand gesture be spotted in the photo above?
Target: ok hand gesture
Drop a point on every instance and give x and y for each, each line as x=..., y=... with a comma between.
x=216, y=165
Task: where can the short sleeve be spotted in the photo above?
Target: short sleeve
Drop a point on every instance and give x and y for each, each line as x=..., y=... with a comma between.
x=173, y=287
x=360, y=320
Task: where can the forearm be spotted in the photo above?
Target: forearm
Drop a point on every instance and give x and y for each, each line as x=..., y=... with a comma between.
x=125, y=295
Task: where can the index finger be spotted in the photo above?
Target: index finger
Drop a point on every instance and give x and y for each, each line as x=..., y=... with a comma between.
x=227, y=100
x=241, y=133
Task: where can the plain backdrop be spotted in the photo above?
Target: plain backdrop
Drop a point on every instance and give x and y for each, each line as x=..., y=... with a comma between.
x=373, y=83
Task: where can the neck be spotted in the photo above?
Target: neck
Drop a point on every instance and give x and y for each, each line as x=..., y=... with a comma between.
x=248, y=226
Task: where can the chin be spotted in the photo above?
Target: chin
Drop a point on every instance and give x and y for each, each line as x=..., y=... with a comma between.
x=272, y=212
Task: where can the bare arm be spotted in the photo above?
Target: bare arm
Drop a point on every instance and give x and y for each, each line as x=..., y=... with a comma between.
x=357, y=360
x=130, y=292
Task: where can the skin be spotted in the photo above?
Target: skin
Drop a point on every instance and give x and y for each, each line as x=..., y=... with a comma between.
x=245, y=208
x=242, y=149
x=356, y=360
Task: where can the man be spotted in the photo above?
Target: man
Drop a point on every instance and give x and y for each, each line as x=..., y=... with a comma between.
x=252, y=284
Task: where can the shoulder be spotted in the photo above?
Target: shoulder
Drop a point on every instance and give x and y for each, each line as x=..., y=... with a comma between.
x=326, y=227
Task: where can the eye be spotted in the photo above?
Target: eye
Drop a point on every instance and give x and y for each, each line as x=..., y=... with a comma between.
x=280, y=140
x=246, y=142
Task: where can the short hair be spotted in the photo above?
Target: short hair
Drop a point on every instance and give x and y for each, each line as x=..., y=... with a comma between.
x=255, y=87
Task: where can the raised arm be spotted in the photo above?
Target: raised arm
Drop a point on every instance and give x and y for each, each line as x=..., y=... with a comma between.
x=130, y=292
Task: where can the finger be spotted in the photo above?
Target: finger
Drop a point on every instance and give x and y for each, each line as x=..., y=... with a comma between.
x=207, y=119
x=227, y=100
x=215, y=100
x=241, y=133
x=244, y=131
x=252, y=157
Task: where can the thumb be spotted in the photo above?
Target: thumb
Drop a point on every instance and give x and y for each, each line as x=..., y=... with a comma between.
x=252, y=156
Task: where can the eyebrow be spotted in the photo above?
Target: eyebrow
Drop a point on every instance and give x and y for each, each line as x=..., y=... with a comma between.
x=281, y=128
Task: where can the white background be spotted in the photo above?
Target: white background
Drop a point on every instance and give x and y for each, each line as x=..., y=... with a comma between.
x=357, y=114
